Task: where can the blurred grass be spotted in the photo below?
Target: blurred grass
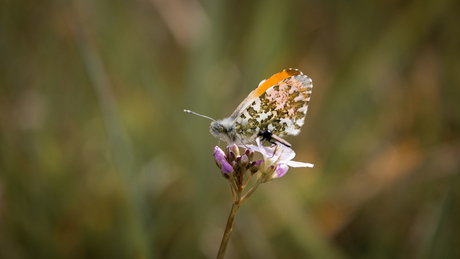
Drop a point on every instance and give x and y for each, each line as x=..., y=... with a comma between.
x=97, y=158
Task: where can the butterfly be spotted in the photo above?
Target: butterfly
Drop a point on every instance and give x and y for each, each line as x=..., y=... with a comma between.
x=277, y=107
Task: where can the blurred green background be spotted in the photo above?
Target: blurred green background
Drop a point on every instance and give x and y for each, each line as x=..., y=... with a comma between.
x=98, y=159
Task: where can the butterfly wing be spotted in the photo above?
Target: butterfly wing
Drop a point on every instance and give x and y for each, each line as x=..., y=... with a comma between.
x=262, y=88
x=280, y=108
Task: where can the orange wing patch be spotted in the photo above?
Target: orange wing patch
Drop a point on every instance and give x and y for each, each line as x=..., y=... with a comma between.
x=273, y=80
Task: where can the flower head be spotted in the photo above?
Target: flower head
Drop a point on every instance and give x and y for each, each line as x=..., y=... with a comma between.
x=275, y=163
x=231, y=162
x=278, y=157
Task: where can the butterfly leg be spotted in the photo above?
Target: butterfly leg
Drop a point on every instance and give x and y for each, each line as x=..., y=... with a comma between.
x=242, y=142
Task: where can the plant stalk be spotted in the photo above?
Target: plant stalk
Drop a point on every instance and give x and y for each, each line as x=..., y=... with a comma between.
x=228, y=229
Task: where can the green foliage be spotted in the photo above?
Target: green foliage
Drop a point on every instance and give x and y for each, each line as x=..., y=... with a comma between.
x=97, y=159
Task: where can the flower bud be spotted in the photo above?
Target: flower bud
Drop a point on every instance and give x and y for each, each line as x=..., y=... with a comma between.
x=255, y=166
x=244, y=161
x=234, y=164
x=226, y=168
x=237, y=163
x=249, y=153
x=233, y=148
x=231, y=156
x=219, y=157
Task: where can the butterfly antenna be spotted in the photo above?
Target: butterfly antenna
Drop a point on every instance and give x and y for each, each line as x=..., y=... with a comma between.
x=194, y=113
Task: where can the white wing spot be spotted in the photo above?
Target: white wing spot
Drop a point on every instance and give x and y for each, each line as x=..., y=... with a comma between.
x=256, y=106
x=262, y=117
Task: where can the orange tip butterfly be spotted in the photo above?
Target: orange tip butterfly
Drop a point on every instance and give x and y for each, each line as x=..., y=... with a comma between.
x=277, y=107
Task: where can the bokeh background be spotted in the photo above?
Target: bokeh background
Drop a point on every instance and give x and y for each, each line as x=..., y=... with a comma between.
x=98, y=159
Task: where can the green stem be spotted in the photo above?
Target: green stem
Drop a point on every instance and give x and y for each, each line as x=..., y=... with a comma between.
x=231, y=218
x=228, y=230
x=252, y=190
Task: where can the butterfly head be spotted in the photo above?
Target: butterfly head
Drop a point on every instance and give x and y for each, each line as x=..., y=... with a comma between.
x=221, y=129
x=224, y=130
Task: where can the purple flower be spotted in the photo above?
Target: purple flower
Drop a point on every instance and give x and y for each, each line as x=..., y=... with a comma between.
x=221, y=161
x=278, y=156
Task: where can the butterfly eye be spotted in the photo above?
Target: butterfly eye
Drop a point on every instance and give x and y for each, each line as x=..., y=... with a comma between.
x=217, y=128
x=221, y=129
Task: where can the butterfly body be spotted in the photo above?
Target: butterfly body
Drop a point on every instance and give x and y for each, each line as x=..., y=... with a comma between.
x=278, y=105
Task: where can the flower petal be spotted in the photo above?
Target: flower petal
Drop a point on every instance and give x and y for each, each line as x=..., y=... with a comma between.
x=226, y=168
x=265, y=151
x=286, y=154
x=298, y=164
x=280, y=170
